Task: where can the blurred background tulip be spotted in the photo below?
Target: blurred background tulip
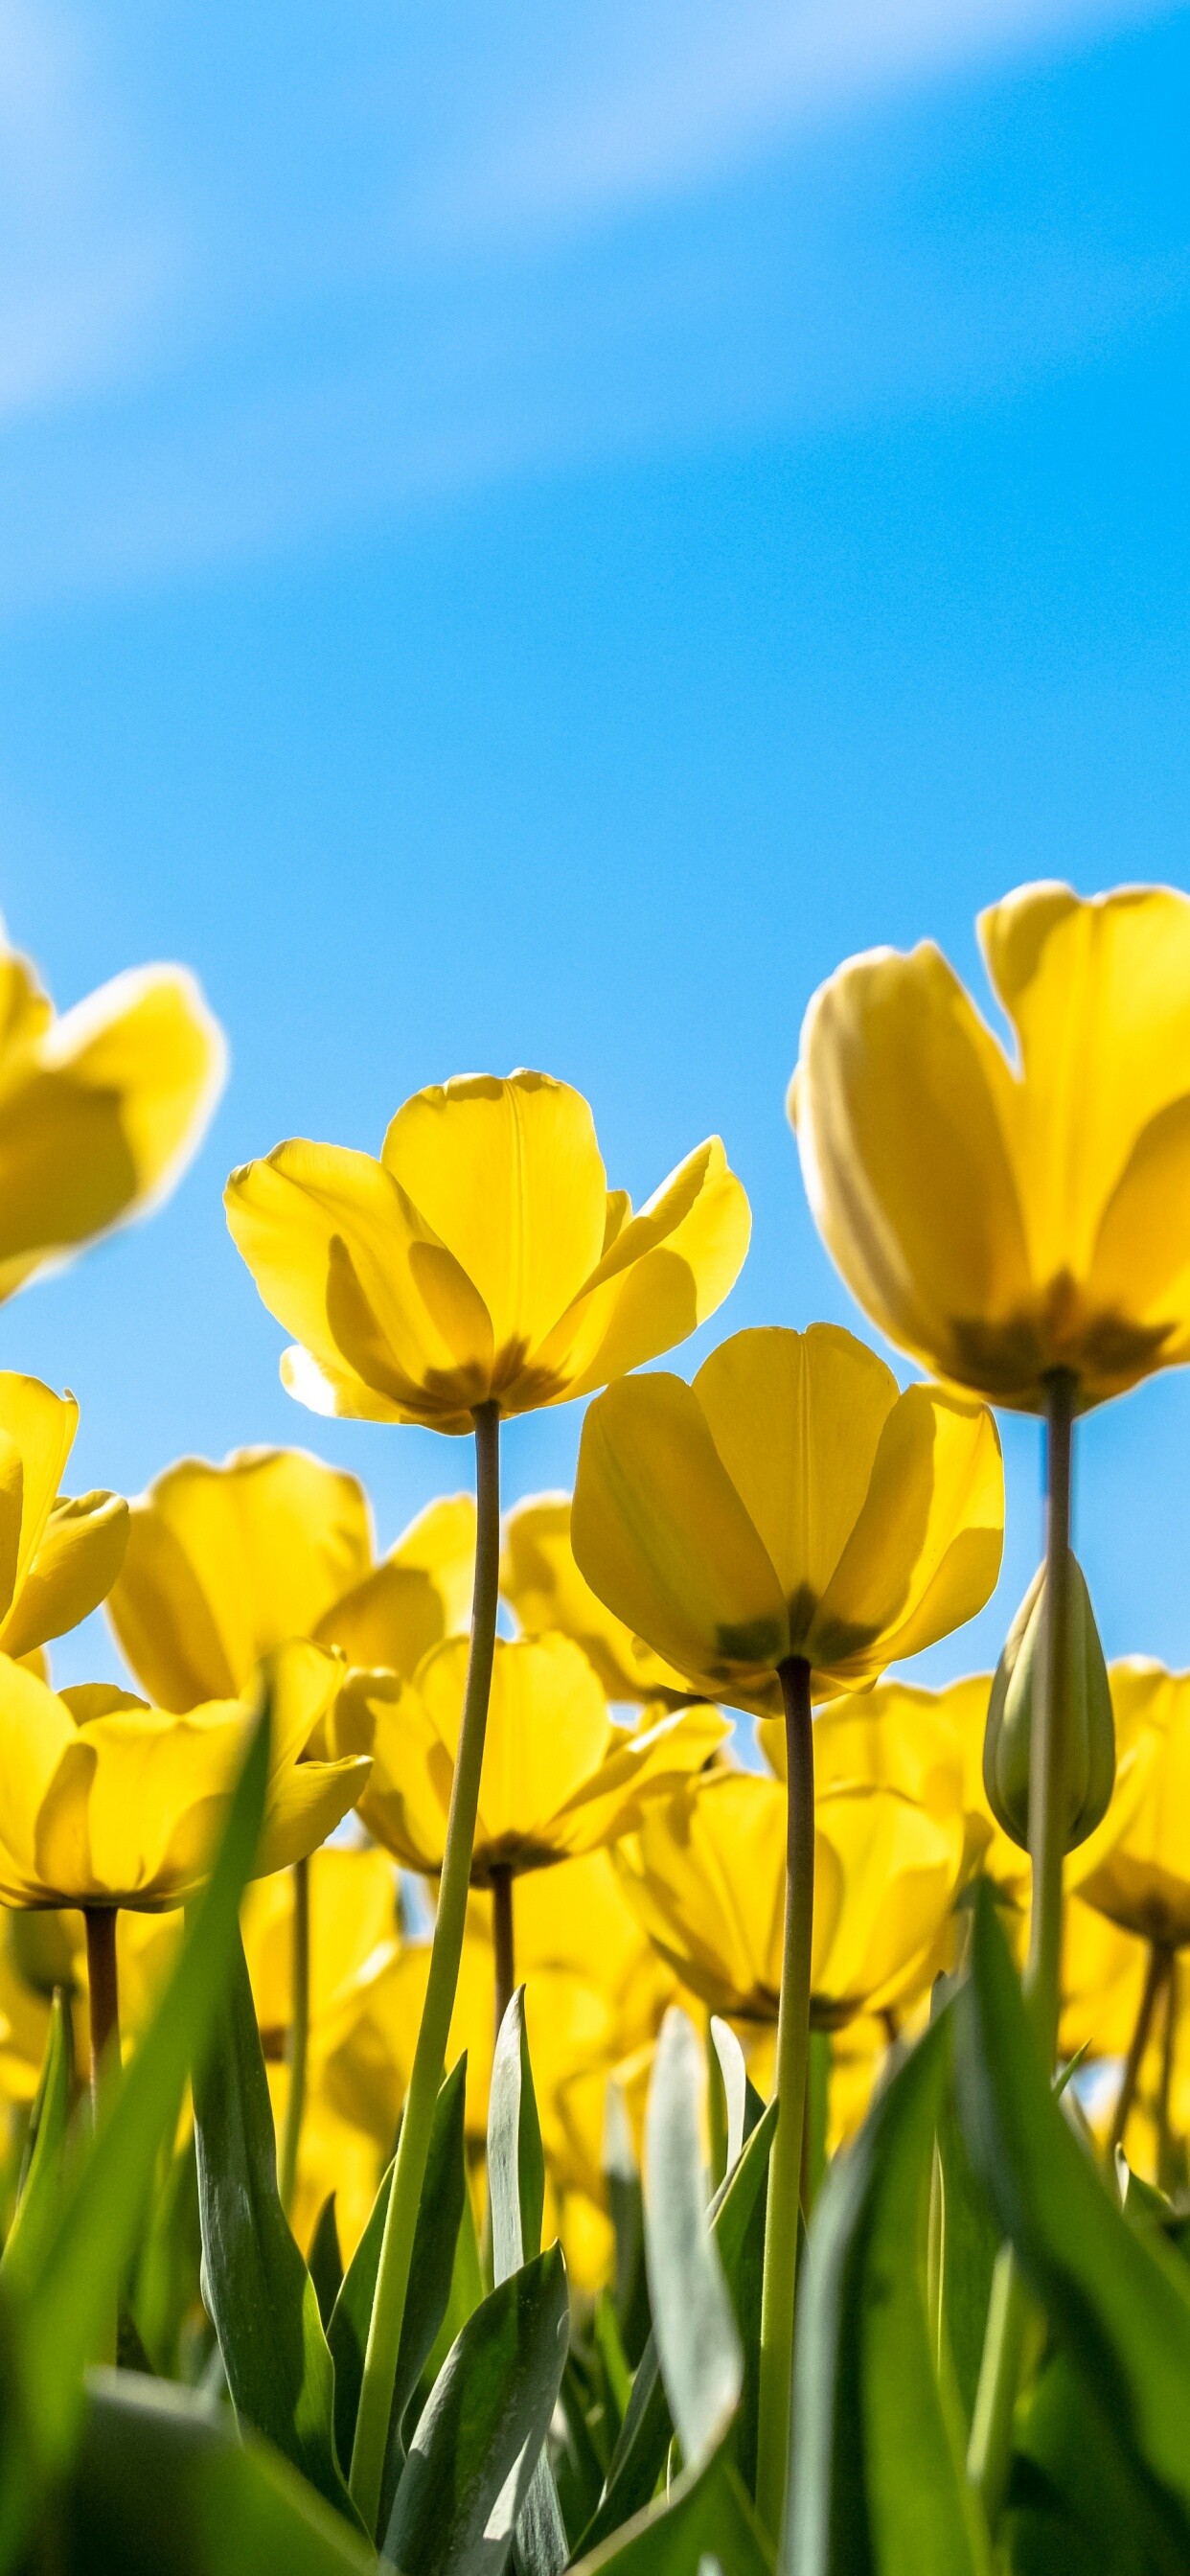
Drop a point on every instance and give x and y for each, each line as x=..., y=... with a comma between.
x=100, y=1110
x=542, y=1585
x=58, y=1557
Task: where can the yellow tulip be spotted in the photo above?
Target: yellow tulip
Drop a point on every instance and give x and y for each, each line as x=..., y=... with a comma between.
x=790, y=1503
x=482, y=1259
x=1136, y=1868
x=1002, y=1220
x=353, y=1915
x=1103, y=1976
x=559, y=1778
x=106, y=1802
x=100, y=1109
x=539, y=1578
x=58, y=1557
x=226, y=1563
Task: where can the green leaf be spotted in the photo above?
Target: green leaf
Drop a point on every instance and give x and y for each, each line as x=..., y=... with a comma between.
x=1072, y=2509
x=324, y=2261
x=444, y=2205
x=161, y=2487
x=259, y=2294
x=698, y=2346
x=970, y=2241
x=516, y=2199
x=516, y=2164
x=734, y=2077
x=167, y=2293
x=647, y=2430
x=1116, y=2301
x=707, y=2515
x=879, y=2487
x=627, y=2208
x=53, y=2314
x=40, y=2199
x=483, y=2428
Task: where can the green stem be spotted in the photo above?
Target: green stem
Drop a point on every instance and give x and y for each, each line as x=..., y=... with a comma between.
x=785, y=2163
x=1165, y=2173
x=1156, y=1975
x=990, y=2450
x=503, y=1942
x=392, y=2279
x=299, y=2034
x=1048, y=1819
x=104, y=1993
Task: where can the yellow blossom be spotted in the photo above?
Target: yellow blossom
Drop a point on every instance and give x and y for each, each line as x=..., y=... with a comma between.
x=482, y=1259
x=58, y=1557
x=540, y=1579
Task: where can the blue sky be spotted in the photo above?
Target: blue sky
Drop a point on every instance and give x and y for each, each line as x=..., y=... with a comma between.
x=527, y=536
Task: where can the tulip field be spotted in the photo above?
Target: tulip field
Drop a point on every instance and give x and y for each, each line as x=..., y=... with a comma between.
x=547, y=2048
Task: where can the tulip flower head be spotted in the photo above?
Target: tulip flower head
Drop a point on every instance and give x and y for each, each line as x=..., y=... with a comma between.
x=559, y=1778
x=790, y=1503
x=542, y=1583
x=227, y=1563
x=1005, y=1220
x=100, y=1110
x=1136, y=1869
x=106, y=1802
x=482, y=1259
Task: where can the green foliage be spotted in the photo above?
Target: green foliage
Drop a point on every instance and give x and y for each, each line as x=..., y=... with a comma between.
x=260, y=2295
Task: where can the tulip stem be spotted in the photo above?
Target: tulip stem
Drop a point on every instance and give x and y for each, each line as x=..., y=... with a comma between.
x=504, y=1942
x=299, y=2034
x=104, y=1993
x=1048, y=1819
x=1156, y=1976
x=396, y=2252
x=779, y=2285
x=1166, y=2180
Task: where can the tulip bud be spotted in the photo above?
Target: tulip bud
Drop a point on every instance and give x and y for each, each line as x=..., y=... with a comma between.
x=1090, y=1751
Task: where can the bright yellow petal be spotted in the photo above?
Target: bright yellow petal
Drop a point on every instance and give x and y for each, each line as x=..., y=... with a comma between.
x=661, y=1535
x=420, y=1594
x=652, y=1761
x=667, y=1270
x=706, y=1874
x=103, y=1116
x=1099, y=994
x=353, y=1896
x=547, y=1733
x=509, y=1175
x=76, y=1564
x=925, y=1552
x=407, y=1800
x=797, y=1420
x=1136, y=1867
x=225, y=1563
x=43, y=1426
x=440, y=1542
x=342, y=1257
x=901, y=1095
x=36, y=1732
x=900, y=1868
x=539, y=1578
x=304, y=1805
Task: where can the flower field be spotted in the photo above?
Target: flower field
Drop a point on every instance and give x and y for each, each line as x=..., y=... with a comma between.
x=463, y=2108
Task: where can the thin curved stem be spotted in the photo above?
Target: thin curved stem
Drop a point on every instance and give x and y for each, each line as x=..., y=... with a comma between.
x=396, y=2252
x=503, y=1941
x=1048, y=1752
x=1165, y=2142
x=779, y=2286
x=104, y=1994
x=299, y=2034
x=1156, y=1976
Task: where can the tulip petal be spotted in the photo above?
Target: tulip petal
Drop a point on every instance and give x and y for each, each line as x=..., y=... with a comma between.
x=1097, y=993
x=509, y=1175
x=226, y=1563
x=661, y=1535
x=901, y=1099
x=925, y=1552
x=543, y=1585
x=304, y=1805
x=76, y=1564
x=667, y=1270
x=900, y=1867
x=652, y=1761
x=547, y=1733
x=797, y=1420
x=43, y=1426
x=36, y=1731
x=407, y=1799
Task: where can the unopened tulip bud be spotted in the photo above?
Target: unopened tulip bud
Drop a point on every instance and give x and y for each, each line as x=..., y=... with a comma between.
x=1090, y=1743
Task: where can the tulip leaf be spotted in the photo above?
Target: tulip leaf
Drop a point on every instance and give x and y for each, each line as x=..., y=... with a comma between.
x=647, y=2429
x=734, y=2077
x=167, y=2295
x=444, y=2193
x=698, y=2344
x=516, y=2198
x=482, y=2429
x=880, y=2481
x=970, y=2241
x=61, y=2303
x=706, y=2518
x=324, y=2262
x=41, y=2187
x=1073, y=2510
x=1117, y=2302
x=260, y=2296
x=516, y=2165
x=161, y=2486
